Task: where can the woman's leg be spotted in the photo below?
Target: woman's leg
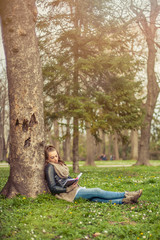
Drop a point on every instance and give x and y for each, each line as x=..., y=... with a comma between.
x=102, y=200
x=90, y=193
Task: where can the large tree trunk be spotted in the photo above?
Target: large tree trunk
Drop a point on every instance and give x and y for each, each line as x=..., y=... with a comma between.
x=143, y=158
x=25, y=99
x=90, y=147
x=152, y=95
x=149, y=30
x=134, y=144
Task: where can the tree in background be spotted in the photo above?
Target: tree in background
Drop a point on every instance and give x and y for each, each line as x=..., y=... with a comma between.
x=90, y=147
x=88, y=71
x=25, y=99
x=77, y=26
x=134, y=144
x=145, y=14
x=147, y=18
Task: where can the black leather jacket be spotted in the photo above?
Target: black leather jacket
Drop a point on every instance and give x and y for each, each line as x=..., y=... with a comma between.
x=53, y=180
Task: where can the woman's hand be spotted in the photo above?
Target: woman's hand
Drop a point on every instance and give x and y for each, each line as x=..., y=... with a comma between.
x=70, y=188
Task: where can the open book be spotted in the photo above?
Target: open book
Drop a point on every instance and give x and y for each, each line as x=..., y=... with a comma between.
x=69, y=182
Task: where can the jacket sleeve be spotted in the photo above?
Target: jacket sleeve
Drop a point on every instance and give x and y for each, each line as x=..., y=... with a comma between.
x=50, y=178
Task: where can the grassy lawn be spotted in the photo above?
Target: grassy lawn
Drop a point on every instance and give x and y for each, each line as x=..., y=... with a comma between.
x=118, y=162
x=49, y=218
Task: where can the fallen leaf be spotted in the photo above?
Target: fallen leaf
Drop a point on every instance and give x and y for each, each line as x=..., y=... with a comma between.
x=133, y=208
x=96, y=234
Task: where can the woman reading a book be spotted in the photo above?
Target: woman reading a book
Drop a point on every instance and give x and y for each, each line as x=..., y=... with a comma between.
x=58, y=181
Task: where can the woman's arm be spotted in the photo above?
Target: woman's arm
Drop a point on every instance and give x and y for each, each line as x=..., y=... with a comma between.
x=50, y=178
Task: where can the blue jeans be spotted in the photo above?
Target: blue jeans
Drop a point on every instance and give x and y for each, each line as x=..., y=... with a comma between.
x=99, y=195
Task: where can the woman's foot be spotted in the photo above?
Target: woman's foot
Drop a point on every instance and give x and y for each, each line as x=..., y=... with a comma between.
x=132, y=197
x=128, y=200
x=132, y=194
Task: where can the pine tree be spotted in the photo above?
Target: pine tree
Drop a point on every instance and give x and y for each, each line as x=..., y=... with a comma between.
x=87, y=75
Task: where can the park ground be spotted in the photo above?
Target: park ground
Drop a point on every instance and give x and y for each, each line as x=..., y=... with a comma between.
x=49, y=218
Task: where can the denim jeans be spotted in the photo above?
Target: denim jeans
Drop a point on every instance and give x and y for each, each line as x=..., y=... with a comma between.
x=99, y=195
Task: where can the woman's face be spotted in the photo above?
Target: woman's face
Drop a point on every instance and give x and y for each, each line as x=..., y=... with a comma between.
x=53, y=157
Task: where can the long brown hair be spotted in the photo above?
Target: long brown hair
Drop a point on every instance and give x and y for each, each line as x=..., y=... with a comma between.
x=51, y=148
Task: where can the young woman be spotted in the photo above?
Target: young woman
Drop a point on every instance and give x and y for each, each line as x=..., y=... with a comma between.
x=56, y=173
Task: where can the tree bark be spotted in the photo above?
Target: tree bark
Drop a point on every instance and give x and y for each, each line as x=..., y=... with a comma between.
x=90, y=147
x=25, y=99
x=134, y=144
x=149, y=30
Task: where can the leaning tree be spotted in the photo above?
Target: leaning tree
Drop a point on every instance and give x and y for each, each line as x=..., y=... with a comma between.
x=25, y=99
x=148, y=21
x=143, y=17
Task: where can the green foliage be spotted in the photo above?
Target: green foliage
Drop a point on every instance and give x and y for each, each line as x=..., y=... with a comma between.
x=88, y=69
x=49, y=218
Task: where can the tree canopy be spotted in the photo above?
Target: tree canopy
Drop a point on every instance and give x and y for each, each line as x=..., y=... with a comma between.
x=89, y=45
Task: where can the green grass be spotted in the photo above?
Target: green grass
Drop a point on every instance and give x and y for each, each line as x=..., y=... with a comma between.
x=118, y=162
x=49, y=218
